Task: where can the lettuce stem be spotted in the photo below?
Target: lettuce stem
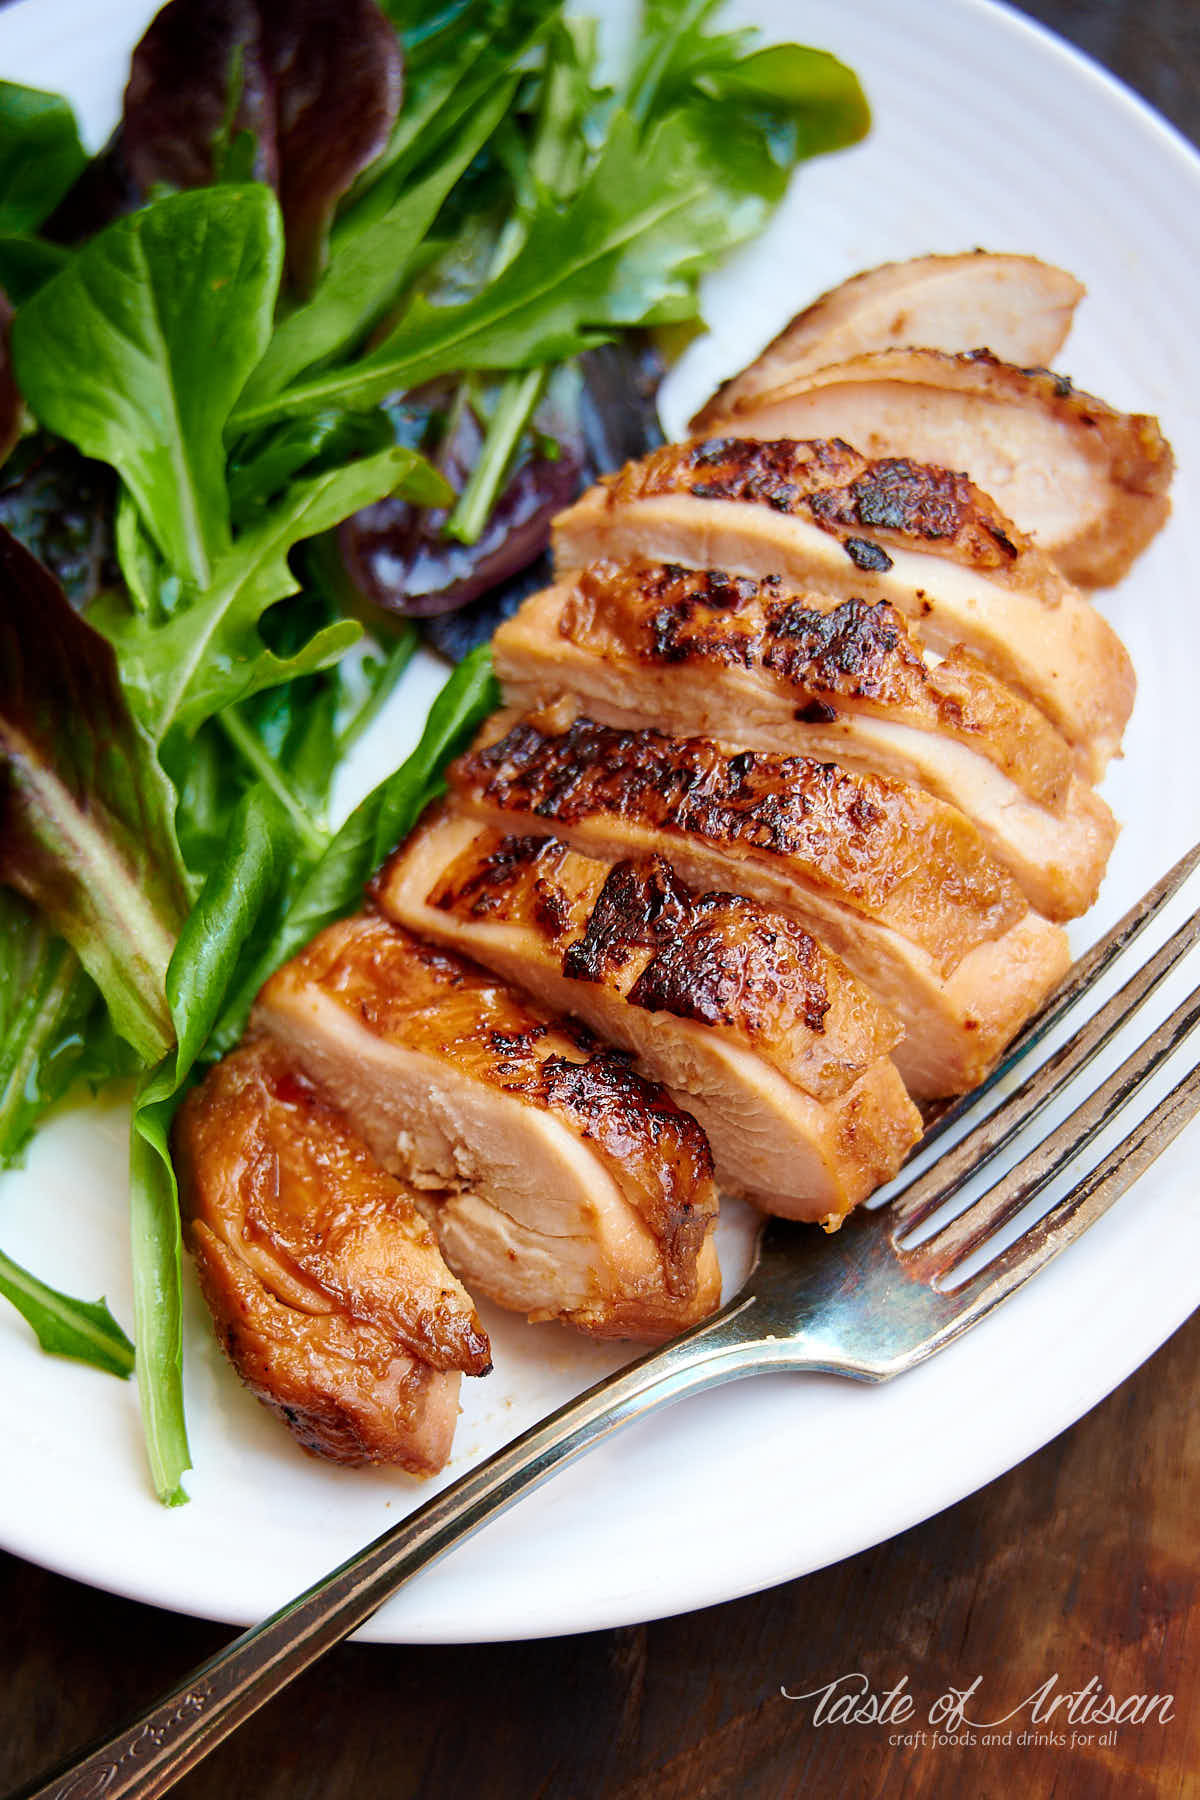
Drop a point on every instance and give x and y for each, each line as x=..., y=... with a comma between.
x=518, y=397
x=263, y=764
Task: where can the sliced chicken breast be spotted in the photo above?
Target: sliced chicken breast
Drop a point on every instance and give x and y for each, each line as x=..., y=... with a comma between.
x=768, y=1041
x=819, y=515
x=326, y=1286
x=1015, y=306
x=1088, y=484
x=559, y=1183
x=895, y=883
x=698, y=653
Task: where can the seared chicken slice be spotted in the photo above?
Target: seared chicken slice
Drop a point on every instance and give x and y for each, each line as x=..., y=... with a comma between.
x=559, y=1182
x=820, y=515
x=768, y=1041
x=326, y=1287
x=699, y=653
x=1014, y=306
x=1087, y=483
x=895, y=883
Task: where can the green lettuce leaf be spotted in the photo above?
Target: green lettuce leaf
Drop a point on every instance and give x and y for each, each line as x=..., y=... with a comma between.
x=219, y=934
x=28, y=263
x=209, y=654
x=335, y=883
x=138, y=348
x=40, y=155
x=54, y=1029
x=626, y=250
x=370, y=261
x=82, y=1329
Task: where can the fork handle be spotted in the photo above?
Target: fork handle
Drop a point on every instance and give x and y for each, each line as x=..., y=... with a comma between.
x=155, y=1749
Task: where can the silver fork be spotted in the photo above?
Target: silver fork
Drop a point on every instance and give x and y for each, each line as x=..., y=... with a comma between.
x=868, y=1304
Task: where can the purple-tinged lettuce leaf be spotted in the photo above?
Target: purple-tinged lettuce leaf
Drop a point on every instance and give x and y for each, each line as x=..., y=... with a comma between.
x=104, y=191
x=371, y=258
x=399, y=557
x=627, y=249
x=60, y=506
x=315, y=84
x=85, y=809
x=11, y=407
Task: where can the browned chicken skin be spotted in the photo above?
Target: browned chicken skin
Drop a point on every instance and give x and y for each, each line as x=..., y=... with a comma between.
x=896, y=884
x=325, y=1284
x=885, y=703
x=1088, y=483
x=1015, y=306
x=762, y=1036
x=820, y=515
x=559, y=1182
x=757, y=666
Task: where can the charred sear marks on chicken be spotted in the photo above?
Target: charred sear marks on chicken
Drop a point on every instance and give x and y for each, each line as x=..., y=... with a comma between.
x=915, y=501
x=913, y=505
x=793, y=656
x=712, y=952
x=876, y=844
x=635, y=930
x=433, y=1002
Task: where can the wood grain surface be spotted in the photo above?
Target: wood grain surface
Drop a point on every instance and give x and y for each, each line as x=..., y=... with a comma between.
x=1080, y=1563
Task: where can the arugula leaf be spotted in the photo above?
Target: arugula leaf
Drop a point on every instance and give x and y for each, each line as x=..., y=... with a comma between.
x=40, y=155
x=372, y=831
x=209, y=654
x=60, y=506
x=262, y=469
x=370, y=262
x=219, y=934
x=625, y=251
x=85, y=806
x=455, y=55
x=84, y=1330
x=138, y=348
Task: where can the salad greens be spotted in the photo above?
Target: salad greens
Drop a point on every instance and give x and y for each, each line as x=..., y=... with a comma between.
x=138, y=348
x=284, y=299
x=41, y=156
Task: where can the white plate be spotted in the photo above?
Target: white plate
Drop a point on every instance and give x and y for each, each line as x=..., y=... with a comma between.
x=987, y=131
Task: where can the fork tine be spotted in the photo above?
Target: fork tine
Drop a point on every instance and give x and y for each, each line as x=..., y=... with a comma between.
x=1071, y=1216
x=1022, y=1183
x=955, y=1167
x=1082, y=975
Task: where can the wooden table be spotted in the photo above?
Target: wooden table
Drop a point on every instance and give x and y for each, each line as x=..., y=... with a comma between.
x=1081, y=1562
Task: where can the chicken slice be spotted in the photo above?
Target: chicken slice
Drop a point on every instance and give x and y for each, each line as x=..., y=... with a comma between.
x=1088, y=484
x=821, y=516
x=895, y=883
x=699, y=653
x=325, y=1284
x=1015, y=306
x=559, y=1182
x=764, y=1038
